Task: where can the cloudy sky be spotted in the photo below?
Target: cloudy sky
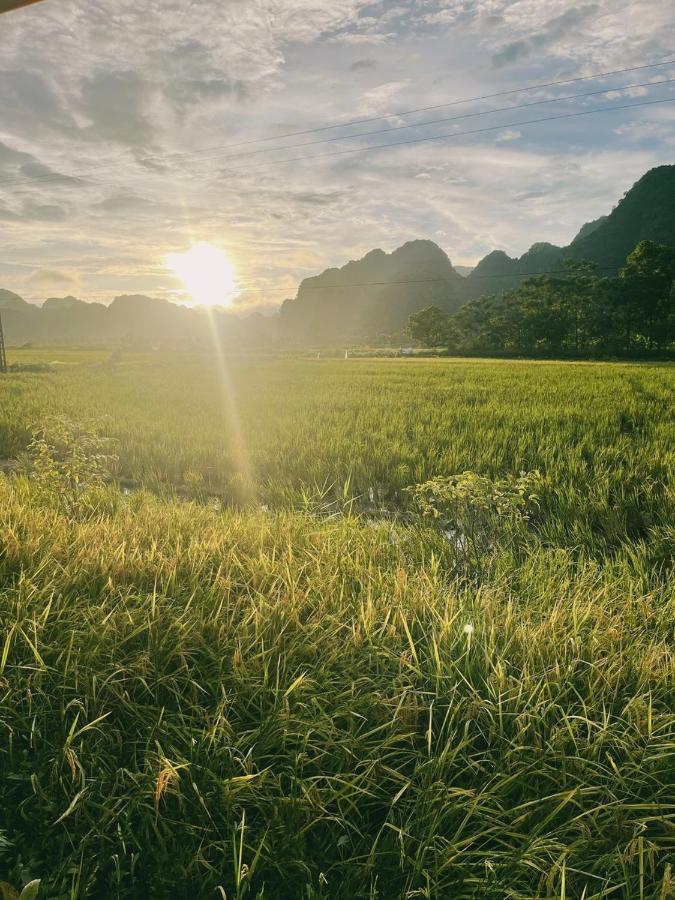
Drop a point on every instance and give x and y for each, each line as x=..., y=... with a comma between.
x=127, y=130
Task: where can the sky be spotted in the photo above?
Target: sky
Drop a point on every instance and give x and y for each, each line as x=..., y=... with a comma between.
x=131, y=131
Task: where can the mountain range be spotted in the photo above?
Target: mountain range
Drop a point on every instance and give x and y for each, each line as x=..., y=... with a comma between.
x=645, y=213
x=131, y=320
x=326, y=309
x=365, y=300
x=373, y=295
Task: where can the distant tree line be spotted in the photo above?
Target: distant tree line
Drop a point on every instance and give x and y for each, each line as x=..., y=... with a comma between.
x=577, y=314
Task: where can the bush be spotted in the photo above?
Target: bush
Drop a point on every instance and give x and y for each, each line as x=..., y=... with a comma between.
x=477, y=513
x=67, y=460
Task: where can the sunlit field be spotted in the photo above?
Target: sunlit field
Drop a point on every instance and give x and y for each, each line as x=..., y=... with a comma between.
x=246, y=665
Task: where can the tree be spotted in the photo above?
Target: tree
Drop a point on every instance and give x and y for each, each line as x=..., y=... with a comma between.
x=647, y=295
x=577, y=313
x=430, y=326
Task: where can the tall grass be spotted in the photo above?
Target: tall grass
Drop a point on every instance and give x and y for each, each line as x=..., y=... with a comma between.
x=596, y=429
x=276, y=703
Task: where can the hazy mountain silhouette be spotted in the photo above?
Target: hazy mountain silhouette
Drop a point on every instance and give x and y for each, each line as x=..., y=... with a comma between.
x=646, y=212
x=363, y=299
x=329, y=307
x=10, y=300
x=131, y=321
x=586, y=229
x=60, y=303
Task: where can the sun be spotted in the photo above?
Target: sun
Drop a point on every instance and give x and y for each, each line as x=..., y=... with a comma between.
x=206, y=272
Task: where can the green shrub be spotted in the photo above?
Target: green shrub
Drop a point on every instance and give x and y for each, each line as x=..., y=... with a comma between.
x=65, y=461
x=477, y=513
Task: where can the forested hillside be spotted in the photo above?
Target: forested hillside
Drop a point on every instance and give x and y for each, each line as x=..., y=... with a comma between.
x=575, y=313
x=645, y=213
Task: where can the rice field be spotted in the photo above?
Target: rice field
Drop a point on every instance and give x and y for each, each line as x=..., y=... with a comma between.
x=245, y=665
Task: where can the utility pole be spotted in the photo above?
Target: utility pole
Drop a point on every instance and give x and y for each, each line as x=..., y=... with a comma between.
x=3, y=356
x=6, y=6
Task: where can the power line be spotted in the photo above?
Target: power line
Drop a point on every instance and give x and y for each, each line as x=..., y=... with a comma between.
x=456, y=279
x=408, y=281
x=410, y=112
x=442, y=137
x=73, y=175
x=172, y=158
x=242, y=287
x=396, y=128
x=485, y=112
x=441, y=280
x=439, y=137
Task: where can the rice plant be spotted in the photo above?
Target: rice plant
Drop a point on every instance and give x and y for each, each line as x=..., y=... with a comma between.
x=306, y=689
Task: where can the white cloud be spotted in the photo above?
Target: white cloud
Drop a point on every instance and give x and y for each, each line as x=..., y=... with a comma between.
x=53, y=280
x=135, y=89
x=379, y=100
x=509, y=134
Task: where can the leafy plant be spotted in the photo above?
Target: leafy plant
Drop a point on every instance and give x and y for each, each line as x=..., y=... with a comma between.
x=65, y=459
x=29, y=892
x=476, y=512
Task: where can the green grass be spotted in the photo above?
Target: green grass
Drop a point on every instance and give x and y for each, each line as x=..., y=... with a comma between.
x=280, y=699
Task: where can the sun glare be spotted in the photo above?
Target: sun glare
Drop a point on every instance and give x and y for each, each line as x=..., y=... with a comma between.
x=206, y=272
